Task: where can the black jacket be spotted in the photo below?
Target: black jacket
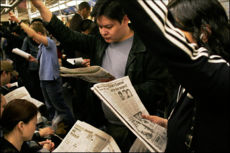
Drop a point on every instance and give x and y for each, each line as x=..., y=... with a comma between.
x=147, y=75
x=206, y=79
x=7, y=147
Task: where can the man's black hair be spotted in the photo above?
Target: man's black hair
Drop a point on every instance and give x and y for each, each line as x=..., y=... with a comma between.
x=108, y=8
x=83, y=5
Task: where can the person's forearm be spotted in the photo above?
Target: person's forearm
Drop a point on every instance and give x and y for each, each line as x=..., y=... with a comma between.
x=30, y=32
x=46, y=14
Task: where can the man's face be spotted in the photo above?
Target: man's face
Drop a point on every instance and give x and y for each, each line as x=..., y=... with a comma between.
x=85, y=13
x=111, y=30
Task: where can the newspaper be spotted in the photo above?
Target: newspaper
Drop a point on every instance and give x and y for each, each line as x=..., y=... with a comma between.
x=93, y=74
x=120, y=96
x=85, y=138
x=21, y=53
x=75, y=61
x=15, y=84
x=22, y=93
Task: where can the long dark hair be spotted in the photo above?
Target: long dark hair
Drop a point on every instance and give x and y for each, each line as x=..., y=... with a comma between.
x=15, y=111
x=195, y=15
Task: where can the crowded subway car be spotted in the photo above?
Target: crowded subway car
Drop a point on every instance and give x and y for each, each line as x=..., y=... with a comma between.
x=114, y=75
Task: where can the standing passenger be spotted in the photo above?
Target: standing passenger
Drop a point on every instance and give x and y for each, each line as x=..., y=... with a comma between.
x=84, y=10
x=197, y=54
x=119, y=50
x=50, y=80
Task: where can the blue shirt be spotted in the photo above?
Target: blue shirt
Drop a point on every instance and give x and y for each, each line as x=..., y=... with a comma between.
x=48, y=59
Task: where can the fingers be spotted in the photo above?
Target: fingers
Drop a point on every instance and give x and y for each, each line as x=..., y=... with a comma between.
x=86, y=62
x=13, y=17
x=154, y=119
x=48, y=144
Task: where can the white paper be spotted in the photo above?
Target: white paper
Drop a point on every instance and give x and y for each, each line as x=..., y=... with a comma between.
x=85, y=138
x=21, y=53
x=22, y=93
x=14, y=84
x=75, y=61
x=120, y=96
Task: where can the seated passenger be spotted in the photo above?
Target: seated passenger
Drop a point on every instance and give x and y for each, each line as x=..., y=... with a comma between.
x=18, y=121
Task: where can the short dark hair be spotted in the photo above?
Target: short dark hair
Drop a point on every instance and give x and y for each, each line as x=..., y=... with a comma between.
x=15, y=111
x=39, y=27
x=75, y=22
x=36, y=20
x=83, y=5
x=109, y=8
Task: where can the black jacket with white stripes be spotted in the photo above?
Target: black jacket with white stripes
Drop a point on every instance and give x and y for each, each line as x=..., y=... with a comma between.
x=201, y=116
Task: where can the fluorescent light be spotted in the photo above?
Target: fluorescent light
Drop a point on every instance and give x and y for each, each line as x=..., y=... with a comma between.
x=71, y=3
x=34, y=15
x=53, y=9
x=63, y=6
x=79, y=1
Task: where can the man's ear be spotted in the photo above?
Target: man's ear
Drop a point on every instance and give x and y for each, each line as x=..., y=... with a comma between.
x=126, y=19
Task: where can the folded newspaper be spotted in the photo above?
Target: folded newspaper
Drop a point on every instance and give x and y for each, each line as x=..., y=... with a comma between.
x=75, y=61
x=120, y=96
x=93, y=74
x=22, y=93
x=21, y=53
x=85, y=138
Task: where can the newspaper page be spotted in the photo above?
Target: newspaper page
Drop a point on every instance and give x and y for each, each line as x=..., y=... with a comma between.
x=22, y=93
x=21, y=53
x=85, y=138
x=120, y=96
x=111, y=147
x=93, y=74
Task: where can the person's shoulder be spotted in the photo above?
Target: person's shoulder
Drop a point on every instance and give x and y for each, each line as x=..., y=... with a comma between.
x=4, y=90
x=7, y=147
x=51, y=42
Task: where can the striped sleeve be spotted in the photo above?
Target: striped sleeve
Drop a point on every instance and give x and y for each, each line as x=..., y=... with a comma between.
x=192, y=67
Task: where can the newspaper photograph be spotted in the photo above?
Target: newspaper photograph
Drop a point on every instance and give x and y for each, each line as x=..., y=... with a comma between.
x=93, y=74
x=22, y=93
x=85, y=138
x=120, y=96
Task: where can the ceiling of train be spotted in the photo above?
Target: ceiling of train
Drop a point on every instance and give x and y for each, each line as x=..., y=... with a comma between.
x=21, y=7
x=22, y=10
